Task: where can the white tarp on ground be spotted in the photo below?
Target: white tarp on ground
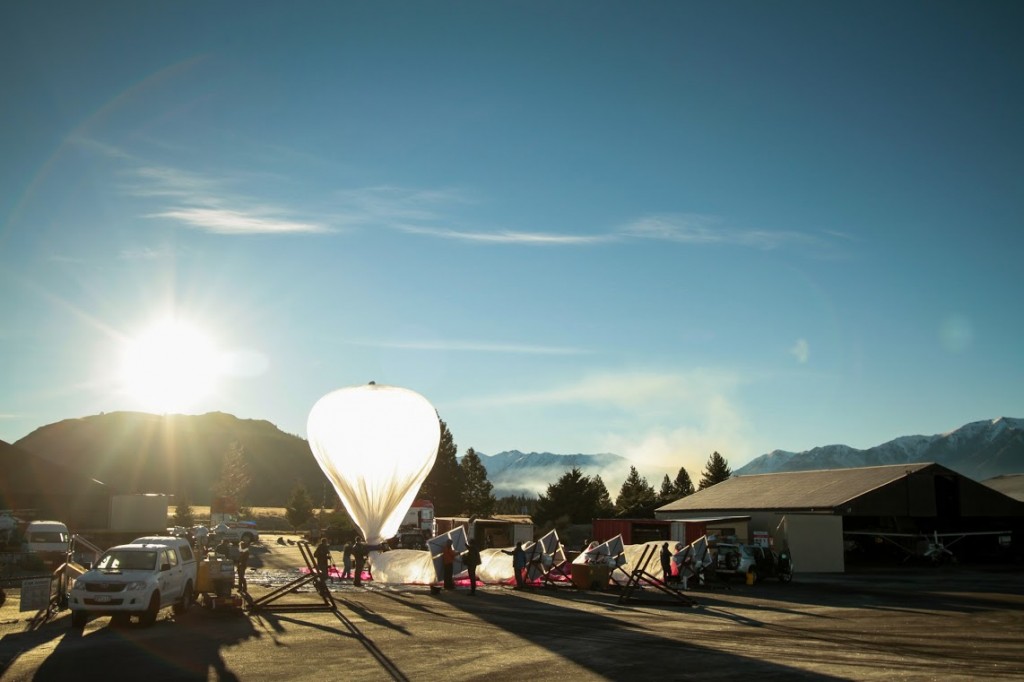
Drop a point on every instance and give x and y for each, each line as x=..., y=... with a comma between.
x=416, y=567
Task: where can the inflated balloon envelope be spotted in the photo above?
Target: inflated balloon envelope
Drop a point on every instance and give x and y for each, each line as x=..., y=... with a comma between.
x=376, y=444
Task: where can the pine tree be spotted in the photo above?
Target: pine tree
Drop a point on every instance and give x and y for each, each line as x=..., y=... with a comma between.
x=715, y=471
x=574, y=498
x=516, y=504
x=476, y=489
x=682, y=485
x=184, y=516
x=603, y=505
x=234, y=475
x=443, y=485
x=667, y=492
x=637, y=498
x=299, y=510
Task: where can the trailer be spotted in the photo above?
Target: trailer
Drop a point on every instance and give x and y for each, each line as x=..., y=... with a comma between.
x=499, y=531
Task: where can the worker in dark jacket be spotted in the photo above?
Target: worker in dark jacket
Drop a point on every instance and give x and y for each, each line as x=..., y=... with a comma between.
x=359, y=552
x=323, y=559
x=518, y=564
x=242, y=563
x=471, y=558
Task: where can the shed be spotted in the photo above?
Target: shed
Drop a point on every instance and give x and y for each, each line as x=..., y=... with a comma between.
x=811, y=510
x=44, y=489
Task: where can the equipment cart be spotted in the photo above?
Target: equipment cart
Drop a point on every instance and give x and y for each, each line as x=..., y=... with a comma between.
x=215, y=582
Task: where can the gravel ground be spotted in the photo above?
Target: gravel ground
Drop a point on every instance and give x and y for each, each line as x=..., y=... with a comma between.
x=957, y=623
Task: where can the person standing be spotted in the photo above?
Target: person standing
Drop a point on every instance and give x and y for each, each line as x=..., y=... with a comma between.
x=448, y=560
x=359, y=552
x=346, y=559
x=241, y=564
x=666, y=563
x=323, y=559
x=472, y=559
x=518, y=564
x=201, y=535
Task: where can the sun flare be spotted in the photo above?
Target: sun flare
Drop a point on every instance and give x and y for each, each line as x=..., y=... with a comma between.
x=170, y=367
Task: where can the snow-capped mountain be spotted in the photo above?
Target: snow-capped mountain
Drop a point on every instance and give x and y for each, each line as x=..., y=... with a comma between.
x=517, y=473
x=978, y=450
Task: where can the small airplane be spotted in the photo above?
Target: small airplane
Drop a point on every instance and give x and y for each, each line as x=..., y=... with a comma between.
x=932, y=547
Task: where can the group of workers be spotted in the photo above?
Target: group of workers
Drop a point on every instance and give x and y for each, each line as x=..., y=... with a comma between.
x=353, y=555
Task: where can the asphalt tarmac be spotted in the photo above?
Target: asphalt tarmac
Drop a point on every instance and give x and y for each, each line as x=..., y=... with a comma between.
x=954, y=623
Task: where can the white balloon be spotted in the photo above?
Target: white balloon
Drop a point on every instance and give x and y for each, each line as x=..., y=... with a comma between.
x=376, y=444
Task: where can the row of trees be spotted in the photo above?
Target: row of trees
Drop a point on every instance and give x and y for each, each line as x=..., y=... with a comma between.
x=459, y=487
x=576, y=498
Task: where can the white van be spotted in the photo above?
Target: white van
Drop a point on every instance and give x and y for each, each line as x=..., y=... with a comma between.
x=49, y=539
x=137, y=579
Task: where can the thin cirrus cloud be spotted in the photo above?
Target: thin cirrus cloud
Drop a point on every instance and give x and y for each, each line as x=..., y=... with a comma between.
x=632, y=391
x=801, y=350
x=204, y=203
x=207, y=203
x=474, y=347
x=701, y=229
x=228, y=221
x=505, y=236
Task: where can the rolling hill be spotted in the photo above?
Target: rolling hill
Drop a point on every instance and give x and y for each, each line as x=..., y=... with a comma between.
x=136, y=452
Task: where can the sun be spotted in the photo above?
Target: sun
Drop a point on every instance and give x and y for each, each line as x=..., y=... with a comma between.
x=170, y=367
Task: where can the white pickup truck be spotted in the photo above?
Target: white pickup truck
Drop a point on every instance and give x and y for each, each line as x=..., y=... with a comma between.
x=137, y=579
x=236, y=531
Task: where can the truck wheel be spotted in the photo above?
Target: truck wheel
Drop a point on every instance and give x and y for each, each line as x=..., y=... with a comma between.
x=3, y=597
x=79, y=619
x=148, y=617
x=186, y=600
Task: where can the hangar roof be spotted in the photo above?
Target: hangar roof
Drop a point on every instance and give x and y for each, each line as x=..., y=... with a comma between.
x=1008, y=484
x=793, y=489
x=24, y=472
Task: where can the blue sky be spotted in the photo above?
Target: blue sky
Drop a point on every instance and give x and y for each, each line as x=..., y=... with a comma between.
x=656, y=229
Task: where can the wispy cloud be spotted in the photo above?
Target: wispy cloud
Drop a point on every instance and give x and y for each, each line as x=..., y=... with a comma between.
x=63, y=258
x=205, y=203
x=225, y=221
x=659, y=421
x=144, y=253
x=212, y=203
x=702, y=229
x=475, y=347
x=506, y=236
x=649, y=391
x=801, y=350
x=427, y=212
